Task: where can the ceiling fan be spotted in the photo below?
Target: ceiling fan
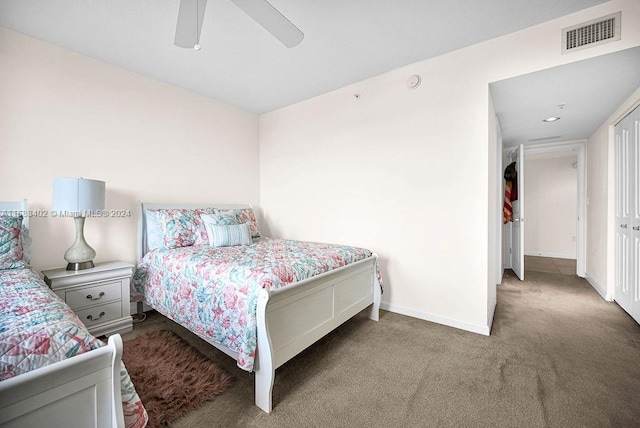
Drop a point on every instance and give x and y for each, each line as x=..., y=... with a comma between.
x=191, y=13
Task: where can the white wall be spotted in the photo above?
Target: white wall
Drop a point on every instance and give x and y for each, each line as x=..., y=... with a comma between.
x=406, y=172
x=496, y=200
x=63, y=114
x=601, y=199
x=551, y=196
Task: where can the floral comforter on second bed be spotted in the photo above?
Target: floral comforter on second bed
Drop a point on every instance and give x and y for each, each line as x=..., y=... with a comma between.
x=37, y=329
x=213, y=291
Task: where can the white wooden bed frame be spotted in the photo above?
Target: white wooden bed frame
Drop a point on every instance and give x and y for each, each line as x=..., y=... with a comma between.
x=82, y=391
x=292, y=318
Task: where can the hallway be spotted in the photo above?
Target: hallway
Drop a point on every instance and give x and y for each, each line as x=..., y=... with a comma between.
x=550, y=265
x=584, y=351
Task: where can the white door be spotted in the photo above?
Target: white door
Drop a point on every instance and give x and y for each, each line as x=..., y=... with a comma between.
x=517, y=231
x=635, y=216
x=626, y=170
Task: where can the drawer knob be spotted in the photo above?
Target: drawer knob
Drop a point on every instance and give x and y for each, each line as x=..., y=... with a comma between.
x=90, y=297
x=91, y=318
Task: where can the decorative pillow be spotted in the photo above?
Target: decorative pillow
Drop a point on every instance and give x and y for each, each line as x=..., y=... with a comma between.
x=155, y=237
x=184, y=227
x=200, y=233
x=220, y=218
x=181, y=227
x=244, y=215
x=228, y=235
x=11, y=252
x=25, y=241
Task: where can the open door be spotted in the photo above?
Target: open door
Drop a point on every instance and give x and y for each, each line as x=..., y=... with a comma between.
x=517, y=228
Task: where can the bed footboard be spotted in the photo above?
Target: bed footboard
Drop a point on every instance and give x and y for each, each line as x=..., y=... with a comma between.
x=78, y=392
x=293, y=318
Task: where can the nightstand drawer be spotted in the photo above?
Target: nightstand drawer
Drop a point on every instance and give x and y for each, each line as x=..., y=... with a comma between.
x=100, y=293
x=100, y=314
x=88, y=296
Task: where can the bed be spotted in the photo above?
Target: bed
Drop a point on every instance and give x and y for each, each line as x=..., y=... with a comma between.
x=262, y=302
x=52, y=371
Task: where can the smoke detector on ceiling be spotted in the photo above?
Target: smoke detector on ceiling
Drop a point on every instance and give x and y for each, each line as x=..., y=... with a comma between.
x=413, y=81
x=592, y=33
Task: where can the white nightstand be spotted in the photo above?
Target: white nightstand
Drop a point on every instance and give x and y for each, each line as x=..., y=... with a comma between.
x=99, y=296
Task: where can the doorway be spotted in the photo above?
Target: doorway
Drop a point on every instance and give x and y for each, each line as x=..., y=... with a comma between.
x=552, y=216
x=569, y=103
x=551, y=192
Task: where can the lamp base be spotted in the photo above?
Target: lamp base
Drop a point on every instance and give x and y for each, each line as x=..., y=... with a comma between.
x=80, y=255
x=81, y=265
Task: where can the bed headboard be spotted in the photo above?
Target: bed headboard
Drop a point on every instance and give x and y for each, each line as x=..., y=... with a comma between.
x=141, y=243
x=19, y=208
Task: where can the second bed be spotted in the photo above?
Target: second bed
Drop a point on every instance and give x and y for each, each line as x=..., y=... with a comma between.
x=261, y=303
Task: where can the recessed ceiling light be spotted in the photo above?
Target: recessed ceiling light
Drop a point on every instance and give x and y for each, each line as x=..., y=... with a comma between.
x=551, y=119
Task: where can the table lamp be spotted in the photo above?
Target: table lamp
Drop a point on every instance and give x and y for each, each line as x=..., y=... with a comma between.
x=78, y=197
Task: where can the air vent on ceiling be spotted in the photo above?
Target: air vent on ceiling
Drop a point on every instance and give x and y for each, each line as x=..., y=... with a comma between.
x=555, y=137
x=592, y=33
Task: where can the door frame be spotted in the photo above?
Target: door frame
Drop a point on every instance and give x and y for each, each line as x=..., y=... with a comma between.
x=580, y=147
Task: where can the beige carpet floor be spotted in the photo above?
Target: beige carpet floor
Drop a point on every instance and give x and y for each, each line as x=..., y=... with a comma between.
x=558, y=356
x=550, y=265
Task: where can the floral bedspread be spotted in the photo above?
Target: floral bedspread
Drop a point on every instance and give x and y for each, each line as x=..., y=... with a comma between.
x=213, y=291
x=37, y=329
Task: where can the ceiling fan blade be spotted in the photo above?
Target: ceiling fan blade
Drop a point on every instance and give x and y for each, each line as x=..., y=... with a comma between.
x=272, y=21
x=189, y=23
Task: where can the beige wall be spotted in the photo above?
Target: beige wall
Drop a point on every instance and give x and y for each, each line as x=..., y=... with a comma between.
x=63, y=114
x=494, y=211
x=551, y=198
x=405, y=172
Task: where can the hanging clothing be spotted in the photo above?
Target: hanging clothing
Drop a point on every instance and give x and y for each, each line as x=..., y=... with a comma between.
x=507, y=211
x=510, y=192
x=510, y=174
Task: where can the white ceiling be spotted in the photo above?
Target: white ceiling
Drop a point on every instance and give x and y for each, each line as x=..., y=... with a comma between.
x=242, y=65
x=591, y=90
x=345, y=42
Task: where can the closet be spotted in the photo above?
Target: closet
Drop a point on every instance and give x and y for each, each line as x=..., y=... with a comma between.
x=627, y=227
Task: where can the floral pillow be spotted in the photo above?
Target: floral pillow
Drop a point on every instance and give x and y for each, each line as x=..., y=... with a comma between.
x=182, y=227
x=220, y=218
x=11, y=251
x=244, y=215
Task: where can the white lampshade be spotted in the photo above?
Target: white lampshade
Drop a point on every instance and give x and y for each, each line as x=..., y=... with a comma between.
x=77, y=195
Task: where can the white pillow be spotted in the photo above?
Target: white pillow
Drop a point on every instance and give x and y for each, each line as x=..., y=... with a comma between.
x=228, y=235
x=155, y=237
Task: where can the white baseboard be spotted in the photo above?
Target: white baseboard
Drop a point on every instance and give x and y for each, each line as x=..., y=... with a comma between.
x=554, y=255
x=462, y=325
x=491, y=315
x=601, y=291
